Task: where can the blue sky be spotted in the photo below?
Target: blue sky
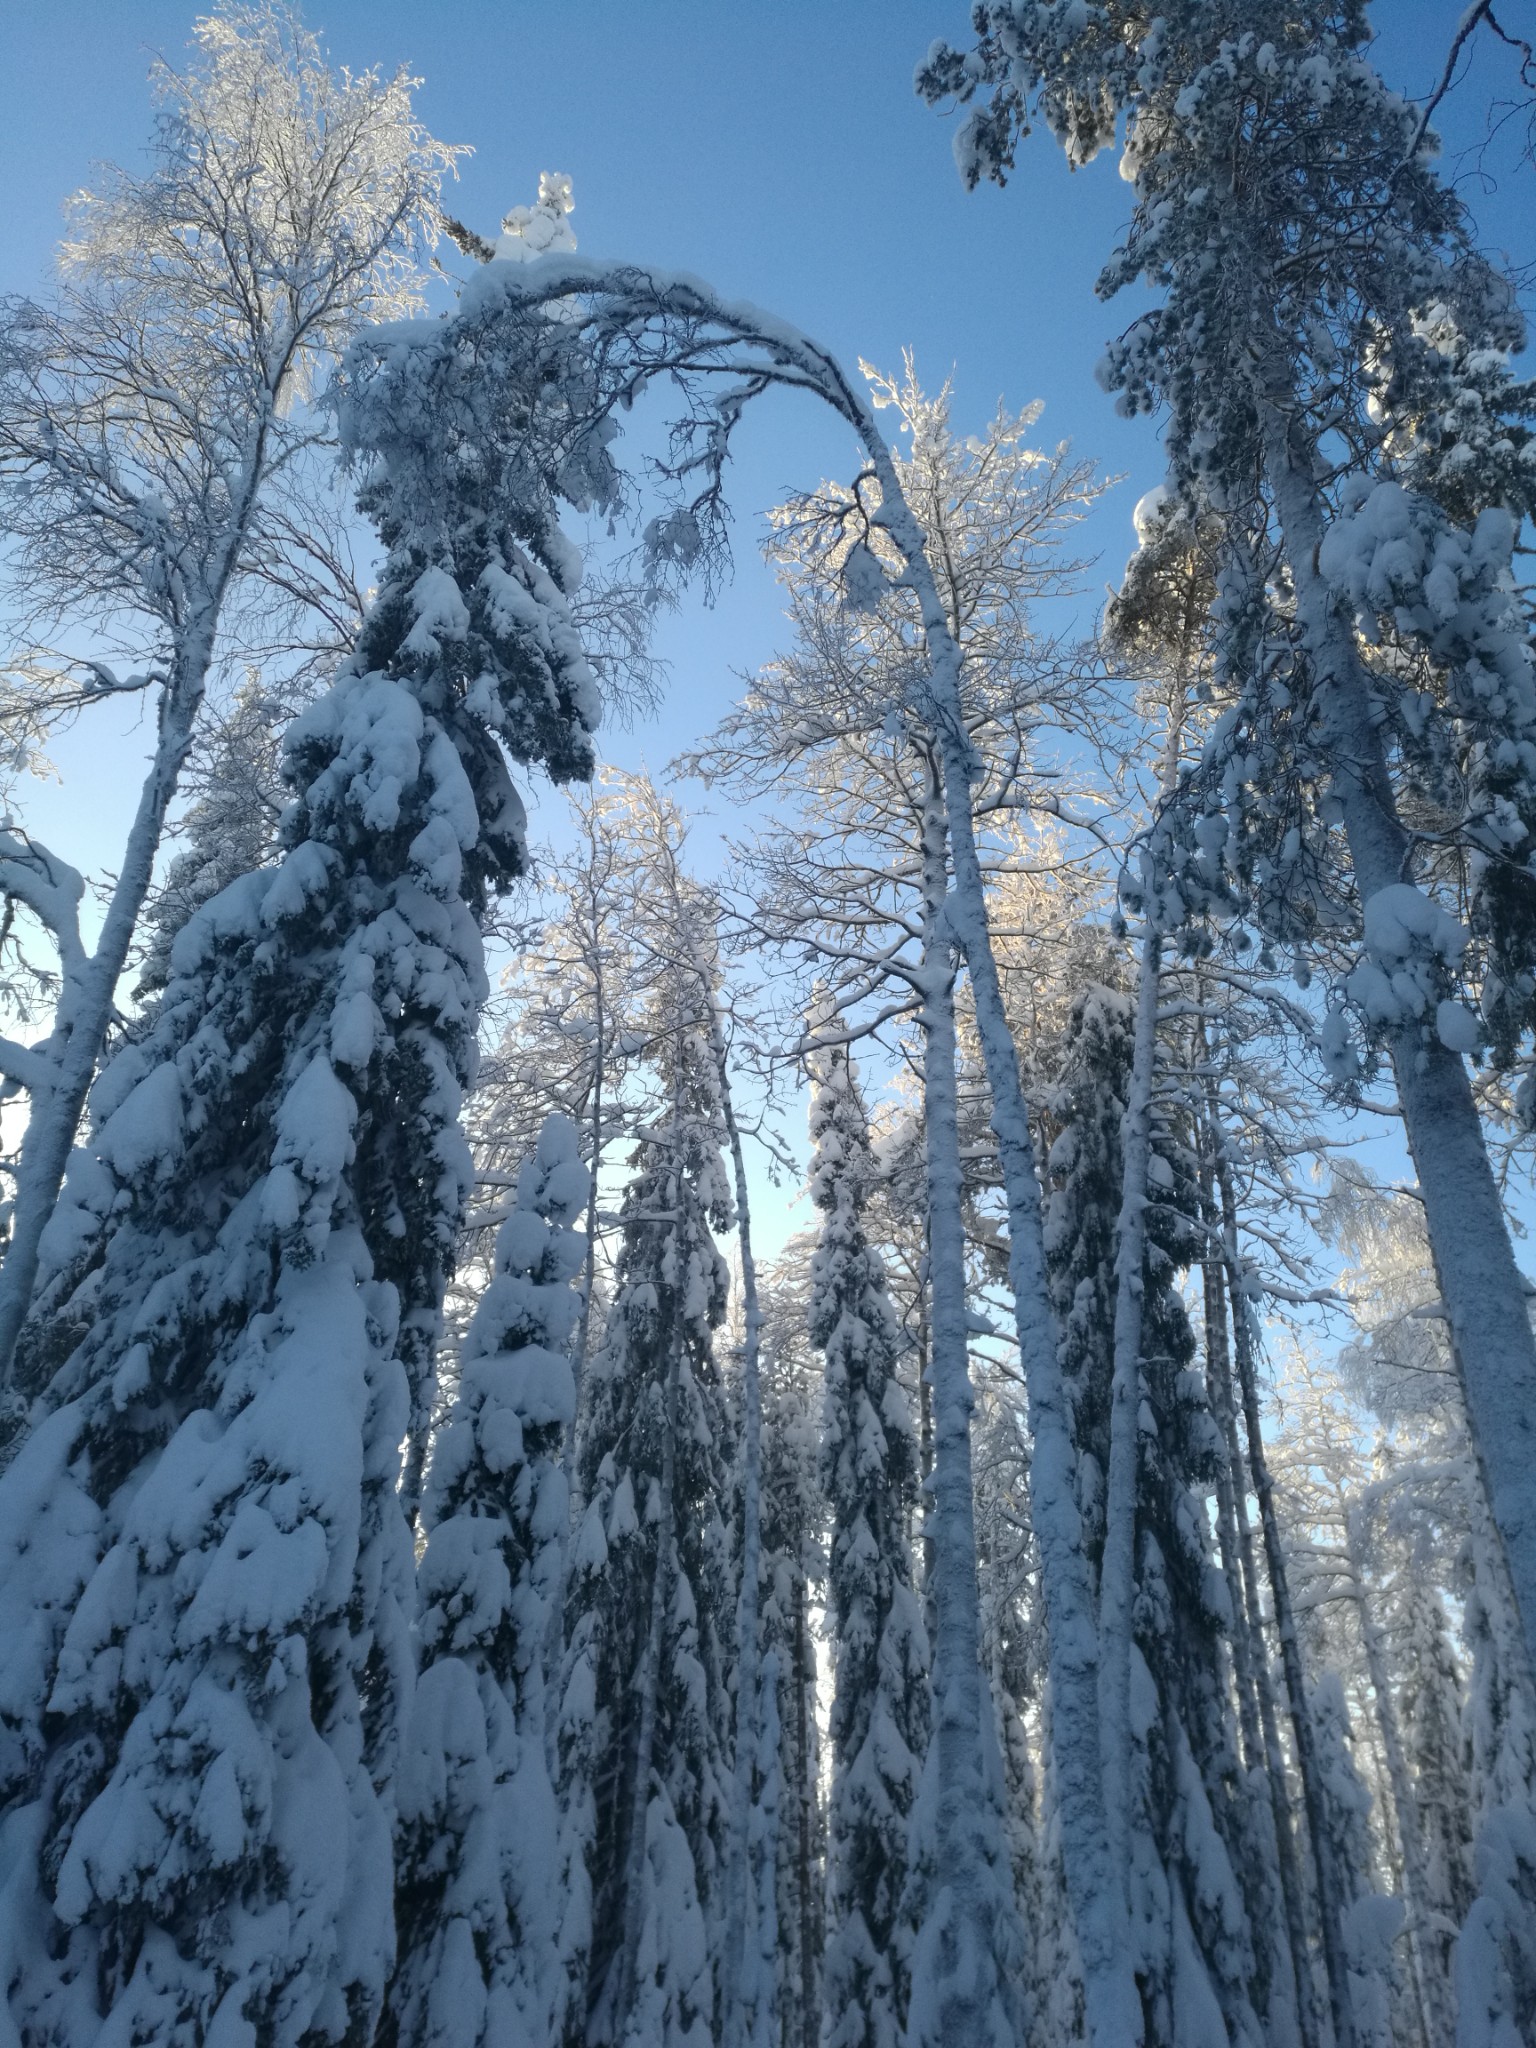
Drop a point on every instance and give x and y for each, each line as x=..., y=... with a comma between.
x=773, y=146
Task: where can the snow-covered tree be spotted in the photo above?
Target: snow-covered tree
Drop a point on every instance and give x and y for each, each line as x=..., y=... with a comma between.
x=1401, y=1364
x=879, y=1713
x=477, y=1896
x=156, y=452
x=1010, y=1632
x=935, y=744
x=793, y=1567
x=1365, y=1620
x=1185, y=1831
x=1372, y=1920
x=644, y=1715
x=1332, y=353
x=1432, y=1712
x=234, y=778
x=568, y=1036
x=206, y=1571
x=1495, y=1955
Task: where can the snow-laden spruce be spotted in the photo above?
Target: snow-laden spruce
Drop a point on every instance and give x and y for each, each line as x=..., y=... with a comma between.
x=205, y=1570
x=234, y=779
x=879, y=1715
x=1188, y=1853
x=644, y=1715
x=159, y=466
x=476, y=1888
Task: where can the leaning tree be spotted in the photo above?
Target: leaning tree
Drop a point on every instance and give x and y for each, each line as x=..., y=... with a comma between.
x=269, y=1199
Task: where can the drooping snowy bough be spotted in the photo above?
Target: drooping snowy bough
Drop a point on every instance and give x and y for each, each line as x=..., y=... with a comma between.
x=723, y=355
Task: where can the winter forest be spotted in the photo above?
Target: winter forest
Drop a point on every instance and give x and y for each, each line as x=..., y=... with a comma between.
x=820, y=1342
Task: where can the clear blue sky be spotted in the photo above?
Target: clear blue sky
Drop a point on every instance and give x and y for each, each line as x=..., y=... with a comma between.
x=773, y=146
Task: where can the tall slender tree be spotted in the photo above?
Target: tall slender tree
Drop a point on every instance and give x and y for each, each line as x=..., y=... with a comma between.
x=1185, y=1828
x=204, y=1553
x=793, y=1567
x=645, y=1740
x=157, y=459
x=879, y=1714
x=477, y=1893
x=1332, y=353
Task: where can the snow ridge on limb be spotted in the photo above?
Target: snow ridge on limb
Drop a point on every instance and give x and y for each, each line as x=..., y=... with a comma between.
x=477, y=1886
x=879, y=1724
x=202, y=1732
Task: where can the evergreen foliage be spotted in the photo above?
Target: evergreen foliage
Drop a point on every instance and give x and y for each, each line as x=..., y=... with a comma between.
x=644, y=1717
x=477, y=1896
x=1197, y=1961
x=794, y=1567
x=202, y=1726
x=878, y=1727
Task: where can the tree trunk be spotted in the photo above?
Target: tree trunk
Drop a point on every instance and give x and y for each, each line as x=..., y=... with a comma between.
x=1110, y=1995
x=741, y=1993
x=1330, y=1898
x=968, y=1906
x=1483, y=1290
x=1117, y=1574
x=44, y=1157
x=648, y=1684
x=1435, y=2005
x=1261, y=1742
x=805, y=1811
x=54, y=1122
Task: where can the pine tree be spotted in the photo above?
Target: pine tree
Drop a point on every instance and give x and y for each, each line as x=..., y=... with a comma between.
x=206, y=1569
x=879, y=1705
x=644, y=1716
x=477, y=1893
x=1195, y=1952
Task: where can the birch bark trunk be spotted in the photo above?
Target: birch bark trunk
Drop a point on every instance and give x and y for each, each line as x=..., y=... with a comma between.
x=978, y=1952
x=1111, y=1999
x=55, y=1120
x=1261, y=1741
